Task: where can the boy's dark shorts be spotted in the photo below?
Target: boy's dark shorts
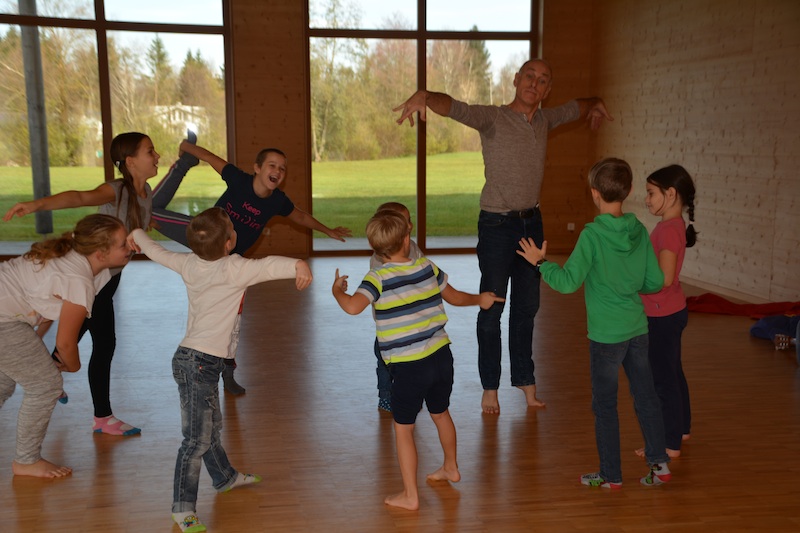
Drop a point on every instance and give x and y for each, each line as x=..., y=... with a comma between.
x=429, y=379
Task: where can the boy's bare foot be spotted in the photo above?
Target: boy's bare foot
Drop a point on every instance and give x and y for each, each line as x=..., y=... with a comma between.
x=403, y=501
x=443, y=474
x=489, y=402
x=639, y=452
x=40, y=468
x=530, y=396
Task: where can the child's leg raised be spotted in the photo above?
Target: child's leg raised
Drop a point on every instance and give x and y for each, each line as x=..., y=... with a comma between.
x=407, y=457
x=447, y=437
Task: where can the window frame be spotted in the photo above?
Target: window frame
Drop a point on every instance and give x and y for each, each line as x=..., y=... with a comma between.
x=421, y=36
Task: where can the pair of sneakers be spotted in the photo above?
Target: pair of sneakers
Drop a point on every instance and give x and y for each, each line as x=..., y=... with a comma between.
x=658, y=475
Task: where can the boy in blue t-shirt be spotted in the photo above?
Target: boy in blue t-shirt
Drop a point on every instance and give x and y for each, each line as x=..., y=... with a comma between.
x=406, y=296
x=250, y=200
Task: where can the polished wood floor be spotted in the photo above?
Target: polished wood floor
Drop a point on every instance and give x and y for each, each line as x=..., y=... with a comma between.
x=310, y=426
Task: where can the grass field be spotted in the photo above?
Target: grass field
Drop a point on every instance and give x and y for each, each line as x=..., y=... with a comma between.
x=345, y=193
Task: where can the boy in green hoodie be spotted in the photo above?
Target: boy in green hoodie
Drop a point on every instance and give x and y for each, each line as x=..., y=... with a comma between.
x=615, y=260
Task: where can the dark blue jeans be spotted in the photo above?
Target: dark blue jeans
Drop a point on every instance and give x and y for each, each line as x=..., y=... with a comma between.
x=671, y=386
x=197, y=376
x=605, y=362
x=498, y=242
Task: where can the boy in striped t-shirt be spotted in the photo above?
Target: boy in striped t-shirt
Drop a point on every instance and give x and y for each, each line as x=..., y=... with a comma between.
x=406, y=296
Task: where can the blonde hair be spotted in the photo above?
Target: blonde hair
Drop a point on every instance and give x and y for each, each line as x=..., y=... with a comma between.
x=612, y=178
x=92, y=233
x=208, y=232
x=385, y=232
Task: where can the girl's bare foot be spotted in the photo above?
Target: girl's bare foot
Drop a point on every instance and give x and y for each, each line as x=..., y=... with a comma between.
x=403, y=501
x=530, y=396
x=489, y=402
x=444, y=474
x=40, y=468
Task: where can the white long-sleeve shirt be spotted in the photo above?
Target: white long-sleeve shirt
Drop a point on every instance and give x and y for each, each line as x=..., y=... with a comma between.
x=215, y=290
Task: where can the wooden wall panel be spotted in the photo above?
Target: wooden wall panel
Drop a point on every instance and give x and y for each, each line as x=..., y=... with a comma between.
x=566, y=45
x=712, y=85
x=271, y=104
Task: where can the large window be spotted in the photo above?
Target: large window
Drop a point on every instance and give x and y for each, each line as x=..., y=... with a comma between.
x=367, y=58
x=77, y=72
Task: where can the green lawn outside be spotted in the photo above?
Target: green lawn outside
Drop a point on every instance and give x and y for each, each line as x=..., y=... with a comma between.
x=345, y=193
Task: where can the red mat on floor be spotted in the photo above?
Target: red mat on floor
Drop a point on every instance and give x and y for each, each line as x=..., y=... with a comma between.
x=711, y=303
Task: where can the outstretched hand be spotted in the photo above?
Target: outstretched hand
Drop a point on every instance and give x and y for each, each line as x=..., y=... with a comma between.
x=488, y=299
x=339, y=233
x=19, y=209
x=303, y=276
x=416, y=104
x=530, y=251
x=597, y=113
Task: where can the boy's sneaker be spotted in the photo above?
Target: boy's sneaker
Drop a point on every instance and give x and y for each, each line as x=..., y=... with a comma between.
x=188, y=522
x=658, y=475
x=596, y=480
x=385, y=404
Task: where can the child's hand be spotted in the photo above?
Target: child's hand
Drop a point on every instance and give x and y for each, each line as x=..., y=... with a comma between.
x=132, y=244
x=303, y=275
x=183, y=147
x=530, y=252
x=340, y=281
x=488, y=299
x=20, y=209
x=339, y=233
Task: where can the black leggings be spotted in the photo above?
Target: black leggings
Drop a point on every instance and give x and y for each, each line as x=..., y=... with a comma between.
x=104, y=341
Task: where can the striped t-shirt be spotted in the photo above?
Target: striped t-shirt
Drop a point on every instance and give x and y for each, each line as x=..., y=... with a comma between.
x=409, y=311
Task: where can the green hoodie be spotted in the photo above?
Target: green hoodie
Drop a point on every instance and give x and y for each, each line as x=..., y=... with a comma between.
x=615, y=258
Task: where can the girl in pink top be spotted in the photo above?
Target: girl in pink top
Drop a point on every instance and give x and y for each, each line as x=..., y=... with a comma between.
x=670, y=191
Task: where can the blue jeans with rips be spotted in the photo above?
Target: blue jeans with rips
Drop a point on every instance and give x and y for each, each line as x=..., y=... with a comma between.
x=498, y=242
x=197, y=376
x=605, y=362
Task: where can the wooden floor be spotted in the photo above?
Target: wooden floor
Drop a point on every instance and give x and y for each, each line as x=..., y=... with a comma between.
x=310, y=426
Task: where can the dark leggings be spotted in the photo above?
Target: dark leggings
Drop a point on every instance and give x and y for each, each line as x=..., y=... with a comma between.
x=104, y=341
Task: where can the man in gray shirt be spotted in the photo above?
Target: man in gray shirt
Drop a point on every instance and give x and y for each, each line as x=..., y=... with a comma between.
x=514, y=142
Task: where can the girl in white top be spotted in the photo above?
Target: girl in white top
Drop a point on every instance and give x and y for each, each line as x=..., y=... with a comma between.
x=131, y=200
x=56, y=280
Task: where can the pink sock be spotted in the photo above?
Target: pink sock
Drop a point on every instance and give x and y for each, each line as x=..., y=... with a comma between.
x=110, y=425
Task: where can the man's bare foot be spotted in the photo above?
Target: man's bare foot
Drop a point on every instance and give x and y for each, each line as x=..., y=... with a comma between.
x=403, y=501
x=670, y=452
x=489, y=402
x=530, y=396
x=686, y=436
x=443, y=474
x=40, y=468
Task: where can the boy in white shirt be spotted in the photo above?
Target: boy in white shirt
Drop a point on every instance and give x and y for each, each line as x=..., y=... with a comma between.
x=215, y=283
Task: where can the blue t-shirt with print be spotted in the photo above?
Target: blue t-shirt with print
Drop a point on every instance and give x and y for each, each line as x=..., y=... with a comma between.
x=248, y=211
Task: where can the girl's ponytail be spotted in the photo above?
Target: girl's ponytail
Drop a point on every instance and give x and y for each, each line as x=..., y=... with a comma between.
x=676, y=176
x=123, y=146
x=92, y=233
